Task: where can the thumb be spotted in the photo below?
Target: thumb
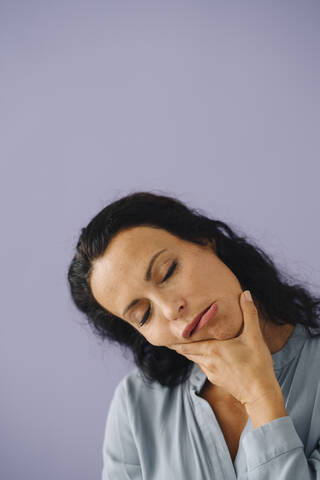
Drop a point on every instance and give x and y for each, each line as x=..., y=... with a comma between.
x=250, y=314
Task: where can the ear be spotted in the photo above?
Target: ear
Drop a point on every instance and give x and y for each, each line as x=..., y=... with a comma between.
x=212, y=244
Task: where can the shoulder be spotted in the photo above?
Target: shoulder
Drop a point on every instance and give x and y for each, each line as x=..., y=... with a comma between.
x=310, y=353
x=313, y=347
x=312, y=341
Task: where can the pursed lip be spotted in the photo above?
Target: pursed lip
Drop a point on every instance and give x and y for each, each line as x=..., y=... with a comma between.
x=186, y=332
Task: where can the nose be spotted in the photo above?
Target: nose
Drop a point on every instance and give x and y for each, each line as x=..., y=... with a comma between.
x=177, y=311
x=172, y=308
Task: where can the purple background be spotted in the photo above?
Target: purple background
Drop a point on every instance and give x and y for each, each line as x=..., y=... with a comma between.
x=215, y=102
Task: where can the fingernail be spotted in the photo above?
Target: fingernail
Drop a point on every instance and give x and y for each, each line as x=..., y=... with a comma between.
x=247, y=294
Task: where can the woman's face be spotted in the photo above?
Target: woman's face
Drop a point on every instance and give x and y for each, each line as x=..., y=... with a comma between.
x=199, y=279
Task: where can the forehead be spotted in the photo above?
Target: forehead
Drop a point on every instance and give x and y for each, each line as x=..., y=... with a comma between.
x=122, y=266
x=137, y=240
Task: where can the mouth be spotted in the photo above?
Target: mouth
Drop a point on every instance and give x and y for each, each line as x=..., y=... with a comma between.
x=192, y=326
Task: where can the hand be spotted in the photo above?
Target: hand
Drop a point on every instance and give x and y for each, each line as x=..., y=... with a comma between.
x=243, y=365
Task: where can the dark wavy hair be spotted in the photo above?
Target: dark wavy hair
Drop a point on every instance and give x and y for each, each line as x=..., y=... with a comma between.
x=274, y=298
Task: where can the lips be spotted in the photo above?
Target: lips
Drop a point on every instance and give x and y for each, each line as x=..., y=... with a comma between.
x=187, y=331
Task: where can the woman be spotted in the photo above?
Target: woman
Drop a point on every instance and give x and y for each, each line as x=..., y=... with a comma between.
x=223, y=388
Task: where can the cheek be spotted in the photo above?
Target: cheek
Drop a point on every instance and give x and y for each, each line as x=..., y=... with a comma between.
x=158, y=338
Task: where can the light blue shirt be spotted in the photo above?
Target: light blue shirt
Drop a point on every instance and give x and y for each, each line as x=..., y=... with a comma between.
x=161, y=433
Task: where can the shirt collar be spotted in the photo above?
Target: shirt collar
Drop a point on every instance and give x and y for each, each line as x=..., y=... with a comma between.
x=291, y=348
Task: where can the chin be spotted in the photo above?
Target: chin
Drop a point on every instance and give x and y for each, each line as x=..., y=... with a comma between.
x=223, y=333
x=241, y=330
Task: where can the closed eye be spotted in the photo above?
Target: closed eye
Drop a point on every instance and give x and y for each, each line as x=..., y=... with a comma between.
x=172, y=267
x=170, y=271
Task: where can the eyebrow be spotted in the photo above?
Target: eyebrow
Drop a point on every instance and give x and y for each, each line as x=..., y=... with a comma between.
x=147, y=278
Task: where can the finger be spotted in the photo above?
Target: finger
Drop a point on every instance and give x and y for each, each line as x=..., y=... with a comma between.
x=202, y=348
x=250, y=315
x=194, y=358
x=199, y=360
x=208, y=372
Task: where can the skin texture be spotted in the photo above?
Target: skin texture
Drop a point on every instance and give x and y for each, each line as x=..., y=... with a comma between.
x=199, y=279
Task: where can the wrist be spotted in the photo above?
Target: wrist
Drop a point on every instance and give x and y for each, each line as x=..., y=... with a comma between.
x=266, y=408
x=265, y=395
